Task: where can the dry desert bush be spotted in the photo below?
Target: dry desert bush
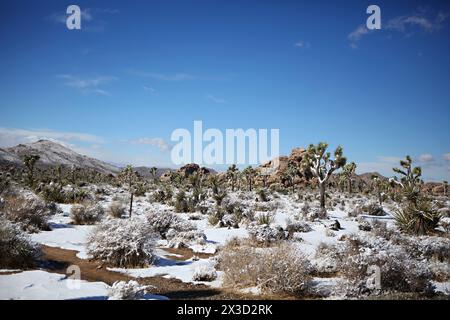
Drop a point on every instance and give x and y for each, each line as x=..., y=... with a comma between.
x=281, y=269
x=16, y=249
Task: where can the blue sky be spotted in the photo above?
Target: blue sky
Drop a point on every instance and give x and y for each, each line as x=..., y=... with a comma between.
x=138, y=70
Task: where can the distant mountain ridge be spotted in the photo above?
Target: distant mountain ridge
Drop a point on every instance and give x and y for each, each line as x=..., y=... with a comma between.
x=53, y=154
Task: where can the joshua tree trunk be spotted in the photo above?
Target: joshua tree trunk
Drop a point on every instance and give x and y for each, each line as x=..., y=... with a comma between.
x=131, y=199
x=131, y=204
x=322, y=195
x=350, y=186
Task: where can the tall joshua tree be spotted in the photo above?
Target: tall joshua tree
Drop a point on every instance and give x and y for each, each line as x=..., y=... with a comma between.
x=410, y=179
x=232, y=175
x=321, y=166
x=380, y=187
x=348, y=171
x=290, y=174
x=249, y=175
x=153, y=173
x=30, y=162
x=129, y=177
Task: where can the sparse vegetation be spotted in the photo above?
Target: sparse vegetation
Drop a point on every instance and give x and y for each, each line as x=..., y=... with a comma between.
x=30, y=212
x=281, y=269
x=16, y=249
x=85, y=214
x=122, y=243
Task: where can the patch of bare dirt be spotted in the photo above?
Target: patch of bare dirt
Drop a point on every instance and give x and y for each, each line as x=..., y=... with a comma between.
x=57, y=260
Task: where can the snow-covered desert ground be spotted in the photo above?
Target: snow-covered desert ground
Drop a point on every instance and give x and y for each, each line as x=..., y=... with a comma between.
x=312, y=239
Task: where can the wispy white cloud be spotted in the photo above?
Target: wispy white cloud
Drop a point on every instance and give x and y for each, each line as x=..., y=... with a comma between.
x=92, y=19
x=214, y=99
x=432, y=169
x=405, y=24
x=426, y=158
x=302, y=44
x=61, y=17
x=447, y=157
x=87, y=85
x=402, y=23
x=13, y=136
x=383, y=165
x=162, y=76
x=156, y=142
x=150, y=89
x=357, y=34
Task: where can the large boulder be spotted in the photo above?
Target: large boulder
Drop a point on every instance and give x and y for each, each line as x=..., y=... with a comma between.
x=275, y=173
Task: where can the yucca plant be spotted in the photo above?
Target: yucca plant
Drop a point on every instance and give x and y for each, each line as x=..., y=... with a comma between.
x=417, y=218
x=262, y=194
x=417, y=214
x=181, y=203
x=265, y=219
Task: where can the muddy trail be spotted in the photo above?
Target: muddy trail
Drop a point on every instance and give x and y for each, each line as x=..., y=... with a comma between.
x=57, y=260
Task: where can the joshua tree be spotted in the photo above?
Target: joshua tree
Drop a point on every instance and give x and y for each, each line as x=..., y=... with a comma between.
x=410, y=176
x=129, y=177
x=264, y=175
x=176, y=178
x=318, y=161
x=232, y=175
x=380, y=188
x=290, y=174
x=153, y=173
x=410, y=179
x=58, y=174
x=249, y=175
x=30, y=162
x=348, y=171
x=215, y=183
x=417, y=215
x=445, y=188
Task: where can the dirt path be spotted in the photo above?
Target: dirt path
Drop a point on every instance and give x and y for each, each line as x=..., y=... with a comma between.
x=57, y=260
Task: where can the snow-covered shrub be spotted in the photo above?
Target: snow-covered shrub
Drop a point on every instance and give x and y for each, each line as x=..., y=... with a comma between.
x=181, y=202
x=357, y=211
x=381, y=230
x=373, y=209
x=86, y=214
x=181, y=239
x=430, y=248
x=265, y=234
x=131, y=290
x=116, y=209
x=28, y=210
x=16, y=249
x=204, y=273
x=445, y=223
x=363, y=263
x=281, y=269
x=298, y=226
x=122, y=243
x=162, y=222
x=327, y=259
